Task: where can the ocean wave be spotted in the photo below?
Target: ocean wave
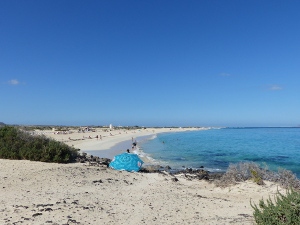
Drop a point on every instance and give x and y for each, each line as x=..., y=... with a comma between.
x=147, y=157
x=152, y=137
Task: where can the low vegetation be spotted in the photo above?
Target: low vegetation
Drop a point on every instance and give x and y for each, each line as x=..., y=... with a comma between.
x=18, y=144
x=284, y=209
x=243, y=171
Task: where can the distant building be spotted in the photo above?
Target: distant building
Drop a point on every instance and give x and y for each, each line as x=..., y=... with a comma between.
x=111, y=126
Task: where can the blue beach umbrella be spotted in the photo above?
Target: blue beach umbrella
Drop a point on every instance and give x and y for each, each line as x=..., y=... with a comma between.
x=126, y=161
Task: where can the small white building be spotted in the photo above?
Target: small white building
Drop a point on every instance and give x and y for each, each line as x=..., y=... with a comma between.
x=111, y=126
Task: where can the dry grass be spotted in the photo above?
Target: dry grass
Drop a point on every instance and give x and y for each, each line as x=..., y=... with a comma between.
x=243, y=171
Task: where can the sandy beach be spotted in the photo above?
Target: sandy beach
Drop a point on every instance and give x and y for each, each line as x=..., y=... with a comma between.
x=107, y=138
x=79, y=193
x=48, y=193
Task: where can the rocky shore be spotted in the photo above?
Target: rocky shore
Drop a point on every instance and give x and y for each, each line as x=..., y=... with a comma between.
x=188, y=173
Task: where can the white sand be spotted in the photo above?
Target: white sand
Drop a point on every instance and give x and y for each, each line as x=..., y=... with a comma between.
x=47, y=193
x=109, y=139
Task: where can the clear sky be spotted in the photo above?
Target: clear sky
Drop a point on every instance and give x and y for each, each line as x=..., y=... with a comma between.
x=150, y=63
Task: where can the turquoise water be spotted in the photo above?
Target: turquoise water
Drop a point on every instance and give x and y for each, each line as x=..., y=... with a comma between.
x=215, y=149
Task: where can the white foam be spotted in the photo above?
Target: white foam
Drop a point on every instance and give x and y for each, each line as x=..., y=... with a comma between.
x=153, y=137
x=151, y=161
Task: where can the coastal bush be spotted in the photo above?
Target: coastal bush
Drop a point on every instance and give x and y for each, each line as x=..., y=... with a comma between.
x=256, y=178
x=284, y=209
x=18, y=144
x=240, y=172
x=243, y=171
x=286, y=179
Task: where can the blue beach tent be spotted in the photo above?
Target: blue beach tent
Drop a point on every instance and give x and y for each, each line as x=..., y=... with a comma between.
x=126, y=161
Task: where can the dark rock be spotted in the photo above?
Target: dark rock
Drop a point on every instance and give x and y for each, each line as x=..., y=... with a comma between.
x=244, y=215
x=174, y=179
x=168, y=167
x=92, y=160
x=149, y=169
x=203, y=177
x=97, y=181
x=72, y=221
x=200, y=196
x=191, y=171
x=104, y=161
x=188, y=170
x=194, y=174
x=37, y=214
x=43, y=205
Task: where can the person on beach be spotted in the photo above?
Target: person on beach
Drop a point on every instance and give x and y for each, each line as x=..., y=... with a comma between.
x=127, y=151
x=134, y=144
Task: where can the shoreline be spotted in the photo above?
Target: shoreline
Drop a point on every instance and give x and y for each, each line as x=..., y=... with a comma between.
x=81, y=193
x=121, y=147
x=110, y=140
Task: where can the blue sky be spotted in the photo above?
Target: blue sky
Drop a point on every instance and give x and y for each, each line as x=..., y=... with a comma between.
x=150, y=63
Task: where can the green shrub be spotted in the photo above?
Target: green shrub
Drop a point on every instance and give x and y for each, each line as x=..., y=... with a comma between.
x=284, y=210
x=17, y=144
x=256, y=177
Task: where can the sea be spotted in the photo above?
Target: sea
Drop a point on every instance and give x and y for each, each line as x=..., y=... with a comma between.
x=215, y=149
